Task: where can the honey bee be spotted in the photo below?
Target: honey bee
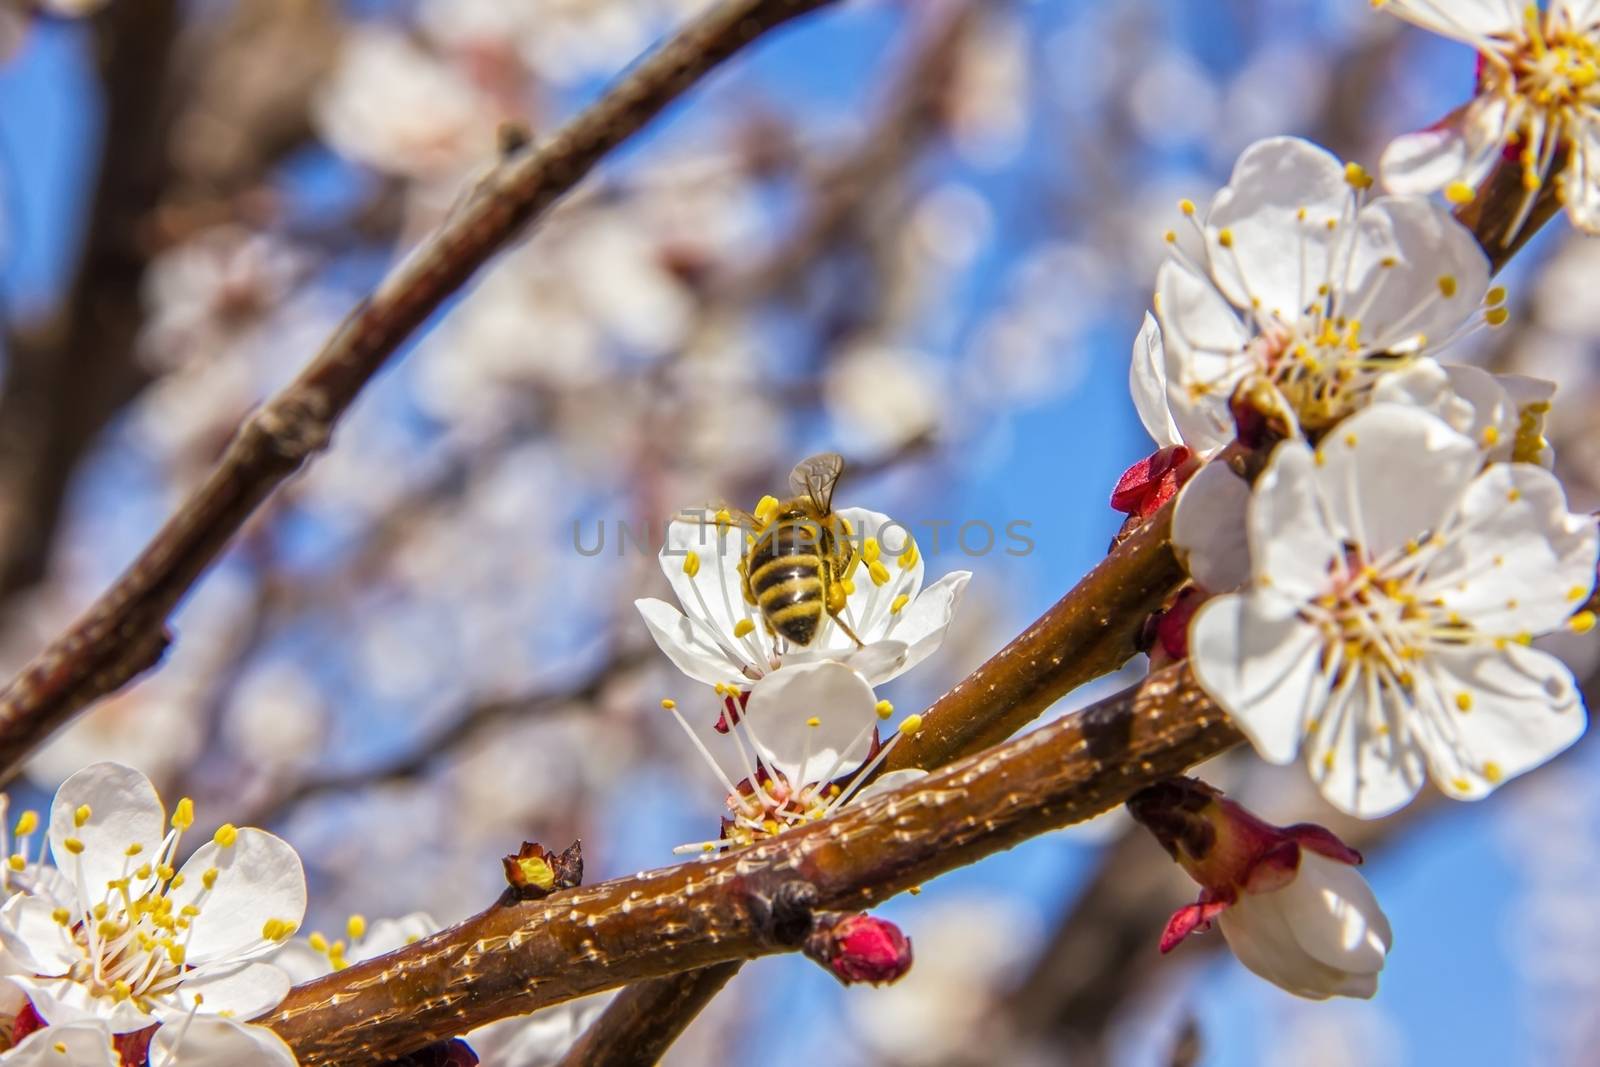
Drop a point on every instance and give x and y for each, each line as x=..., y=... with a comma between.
x=800, y=555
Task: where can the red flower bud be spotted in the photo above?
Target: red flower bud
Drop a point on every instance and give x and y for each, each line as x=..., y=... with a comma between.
x=860, y=948
x=1170, y=627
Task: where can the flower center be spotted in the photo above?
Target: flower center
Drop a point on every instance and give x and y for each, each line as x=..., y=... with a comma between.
x=769, y=807
x=1550, y=78
x=134, y=950
x=1556, y=70
x=1372, y=618
x=1322, y=366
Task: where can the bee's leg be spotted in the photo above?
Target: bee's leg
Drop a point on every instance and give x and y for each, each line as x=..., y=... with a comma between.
x=849, y=632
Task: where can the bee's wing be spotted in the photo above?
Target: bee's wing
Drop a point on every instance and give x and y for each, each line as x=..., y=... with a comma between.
x=816, y=477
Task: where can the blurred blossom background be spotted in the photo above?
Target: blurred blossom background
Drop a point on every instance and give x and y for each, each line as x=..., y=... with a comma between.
x=920, y=233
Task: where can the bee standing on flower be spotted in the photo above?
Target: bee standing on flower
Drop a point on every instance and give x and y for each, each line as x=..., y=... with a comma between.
x=799, y=562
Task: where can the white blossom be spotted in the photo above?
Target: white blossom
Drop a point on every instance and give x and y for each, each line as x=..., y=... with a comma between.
x=719, y=638
x=806, y=740
x=1304, y=287
x=1538, y=95
x=392, y=105
x=1395, y=585
x=135, y=942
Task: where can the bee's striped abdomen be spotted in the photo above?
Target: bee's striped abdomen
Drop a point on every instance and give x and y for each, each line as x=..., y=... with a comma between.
x=785, y=575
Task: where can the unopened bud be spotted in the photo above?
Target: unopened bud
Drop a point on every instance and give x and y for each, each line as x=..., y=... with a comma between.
x=1289, y=899
x=535, y=871
x=1168, y=629
x=860, y=948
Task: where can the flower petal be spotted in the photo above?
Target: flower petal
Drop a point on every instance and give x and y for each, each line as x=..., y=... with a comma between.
x=59, y=1001
x=714, y=593
x=1364, y=754
x=867, y=610
x=34, y=939
x=877, y=662
x=1262, y=666
x=1464, y=20
x=689, y=645
x=301, y=962
x=1263, y=940
x=1335, y=916
x=124, y=811
x=1462, y=147
x=259, y=878
x=1523, y=709
x=1428, y=160
x=1516, y=561
x=1203, y=341
x=78, y=1044
x=888, y=783
x=812, y=719
x=1425, y=384
x=1408, y=254
x=1209, y=531
x=391, y=935
x=1578, y=14
x=208, y=1039
x=1147, y=381
x=1391, y=474
x=922, y=623
x=1293, y=544
x=1580, y=186
x=238, y=992
x=1281, y=186
x=537, y=1040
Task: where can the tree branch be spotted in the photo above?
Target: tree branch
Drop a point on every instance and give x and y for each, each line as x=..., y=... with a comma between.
x=518, y=957
x=124, y=632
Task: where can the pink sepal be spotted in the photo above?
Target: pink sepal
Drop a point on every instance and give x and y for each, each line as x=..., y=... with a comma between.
x=1274, y=869
x=1152, y=481
x=1323, y=841
x=1193, y=919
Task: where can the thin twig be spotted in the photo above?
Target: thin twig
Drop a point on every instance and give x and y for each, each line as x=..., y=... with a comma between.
x=124, y=632
x=518, y=957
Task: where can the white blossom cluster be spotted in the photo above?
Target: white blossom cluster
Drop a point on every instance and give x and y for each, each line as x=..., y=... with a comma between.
x=1369, y=600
